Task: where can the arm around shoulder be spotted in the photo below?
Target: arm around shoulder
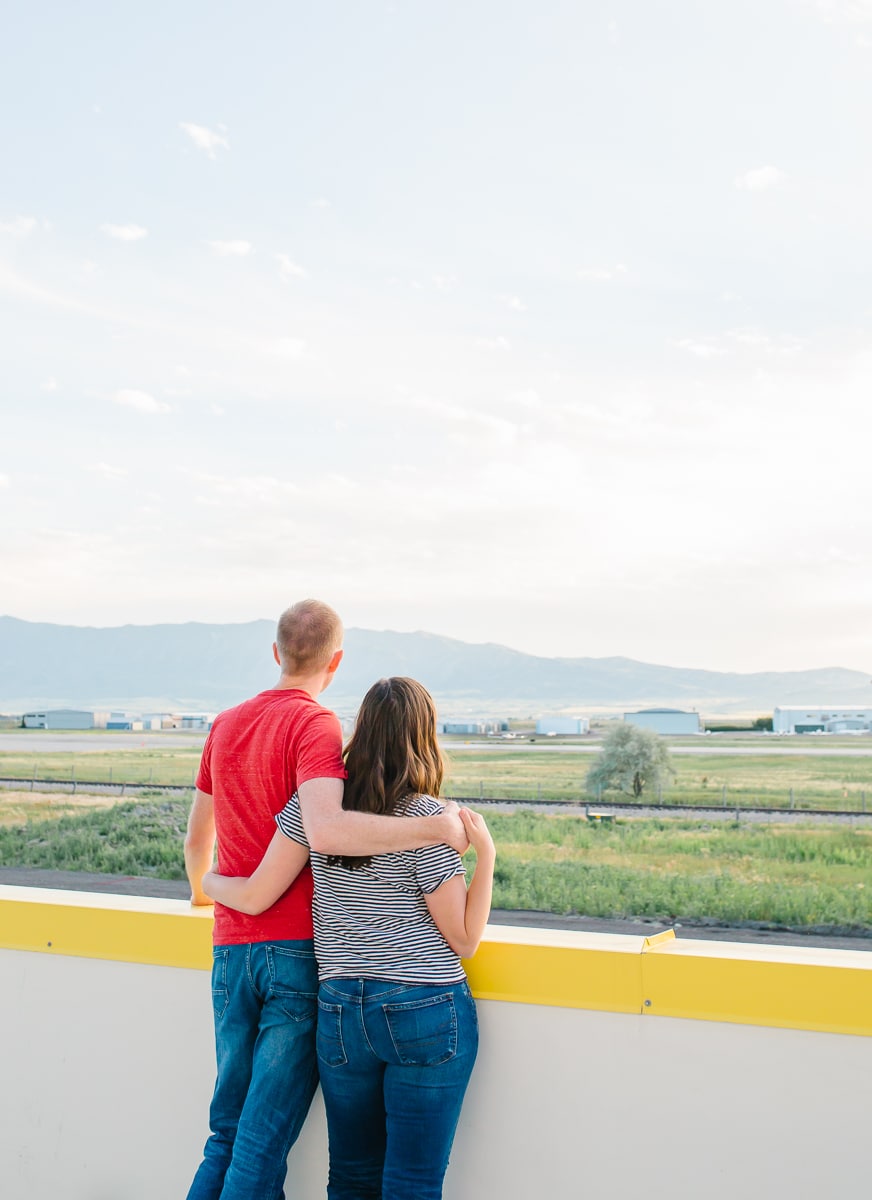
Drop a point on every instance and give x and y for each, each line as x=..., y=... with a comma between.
x=331, y=829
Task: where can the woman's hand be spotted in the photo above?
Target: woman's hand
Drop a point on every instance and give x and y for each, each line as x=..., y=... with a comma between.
x=478, y=834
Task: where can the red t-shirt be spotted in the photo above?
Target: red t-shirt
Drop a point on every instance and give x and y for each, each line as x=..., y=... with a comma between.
x=255, y=758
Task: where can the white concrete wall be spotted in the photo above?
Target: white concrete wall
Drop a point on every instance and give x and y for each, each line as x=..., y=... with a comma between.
x=107, y=1075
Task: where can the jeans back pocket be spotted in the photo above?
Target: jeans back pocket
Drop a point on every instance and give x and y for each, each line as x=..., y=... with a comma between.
x=220, y=989
x=424, y=1032
x=328, y=1039
x=293, y=981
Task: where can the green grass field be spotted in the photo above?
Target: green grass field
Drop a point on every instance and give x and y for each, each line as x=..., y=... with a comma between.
x=766, y=779
x=749, y=779
x=672, y=869
x=678, y=869
x=173, y=765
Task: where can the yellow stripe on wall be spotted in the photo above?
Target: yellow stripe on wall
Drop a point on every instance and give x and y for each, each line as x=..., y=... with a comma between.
x=793, y=988
x=166, y=933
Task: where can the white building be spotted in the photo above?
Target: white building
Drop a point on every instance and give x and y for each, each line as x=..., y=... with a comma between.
x=665, y=720
x=555, y=724
x=474, y=727
x=842, y=718
x=59, y=718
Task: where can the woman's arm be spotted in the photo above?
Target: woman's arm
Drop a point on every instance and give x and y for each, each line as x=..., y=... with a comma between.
x=279, y=867
x=461, y=913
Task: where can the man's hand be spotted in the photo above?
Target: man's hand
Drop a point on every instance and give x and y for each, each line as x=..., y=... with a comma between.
x=199, y=845
x=455, y=832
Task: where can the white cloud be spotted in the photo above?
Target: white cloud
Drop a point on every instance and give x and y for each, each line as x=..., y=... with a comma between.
x=756, y=340
x=854, y=12
x=526, y=399
x=237, y=248
x=108, y=471
x=740, y=342
x=601, y=274
x=19, y=226
x=495, y=343
x=289, y=269
x=700, y=349
x=760, y=179
x=515, y=303
x=205, y=139
x=477, y=422
x=141, y=401
x=289, y=347
x=125, y=233
x=50, y=385
x=4, y=480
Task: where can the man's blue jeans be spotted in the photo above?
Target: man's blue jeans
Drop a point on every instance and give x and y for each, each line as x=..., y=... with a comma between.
x=394, y=1061
x=264, y=996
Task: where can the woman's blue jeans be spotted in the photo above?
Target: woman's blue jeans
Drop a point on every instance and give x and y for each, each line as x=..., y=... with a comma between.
x=394, y=1061
x=264, y=997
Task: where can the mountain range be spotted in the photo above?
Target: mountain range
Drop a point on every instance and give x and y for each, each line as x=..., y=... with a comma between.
x=204, y=667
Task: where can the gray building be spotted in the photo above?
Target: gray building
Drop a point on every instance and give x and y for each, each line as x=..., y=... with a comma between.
x=59, y=718
x=665, y=720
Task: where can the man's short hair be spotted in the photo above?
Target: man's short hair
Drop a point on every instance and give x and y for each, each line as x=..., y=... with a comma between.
x=308, y=635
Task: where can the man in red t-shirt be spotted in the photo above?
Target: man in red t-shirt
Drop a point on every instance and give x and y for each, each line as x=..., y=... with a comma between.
x=264, y=976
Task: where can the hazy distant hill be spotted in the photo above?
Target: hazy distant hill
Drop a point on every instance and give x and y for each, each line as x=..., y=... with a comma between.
x=198, y=666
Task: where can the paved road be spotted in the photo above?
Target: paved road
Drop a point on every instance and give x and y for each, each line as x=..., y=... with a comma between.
x=47, y=741
x=707, y=748
x=44, y=741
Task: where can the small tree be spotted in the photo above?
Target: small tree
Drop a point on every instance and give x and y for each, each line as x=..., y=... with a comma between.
x=631, y=759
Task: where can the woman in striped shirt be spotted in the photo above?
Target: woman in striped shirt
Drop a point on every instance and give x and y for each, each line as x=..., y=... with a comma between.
x=397, y=1030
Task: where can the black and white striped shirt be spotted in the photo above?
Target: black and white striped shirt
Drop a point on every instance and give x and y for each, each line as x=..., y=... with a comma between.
x=373, y=922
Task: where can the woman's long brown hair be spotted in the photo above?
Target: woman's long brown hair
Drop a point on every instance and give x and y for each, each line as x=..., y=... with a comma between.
x=393, y=752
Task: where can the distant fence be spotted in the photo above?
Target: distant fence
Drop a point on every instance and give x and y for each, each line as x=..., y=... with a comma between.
x=96, y=787
x=792, y=799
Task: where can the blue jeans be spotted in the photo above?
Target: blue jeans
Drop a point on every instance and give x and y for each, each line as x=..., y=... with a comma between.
x=394, y=1061
x=264, y=1000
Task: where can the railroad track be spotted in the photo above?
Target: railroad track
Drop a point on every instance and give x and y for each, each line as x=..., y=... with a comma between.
x=719, y=812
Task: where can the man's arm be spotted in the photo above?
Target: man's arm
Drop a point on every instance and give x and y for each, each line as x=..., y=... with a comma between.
x=200, y=844
x=332, y=830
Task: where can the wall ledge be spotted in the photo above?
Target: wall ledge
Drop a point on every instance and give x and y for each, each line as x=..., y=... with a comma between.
x=778, y=986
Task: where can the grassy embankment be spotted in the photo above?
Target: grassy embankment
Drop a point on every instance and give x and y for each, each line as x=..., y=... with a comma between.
x=671, y=868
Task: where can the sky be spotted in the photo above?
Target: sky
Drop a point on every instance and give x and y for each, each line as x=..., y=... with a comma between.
x=543, y=324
